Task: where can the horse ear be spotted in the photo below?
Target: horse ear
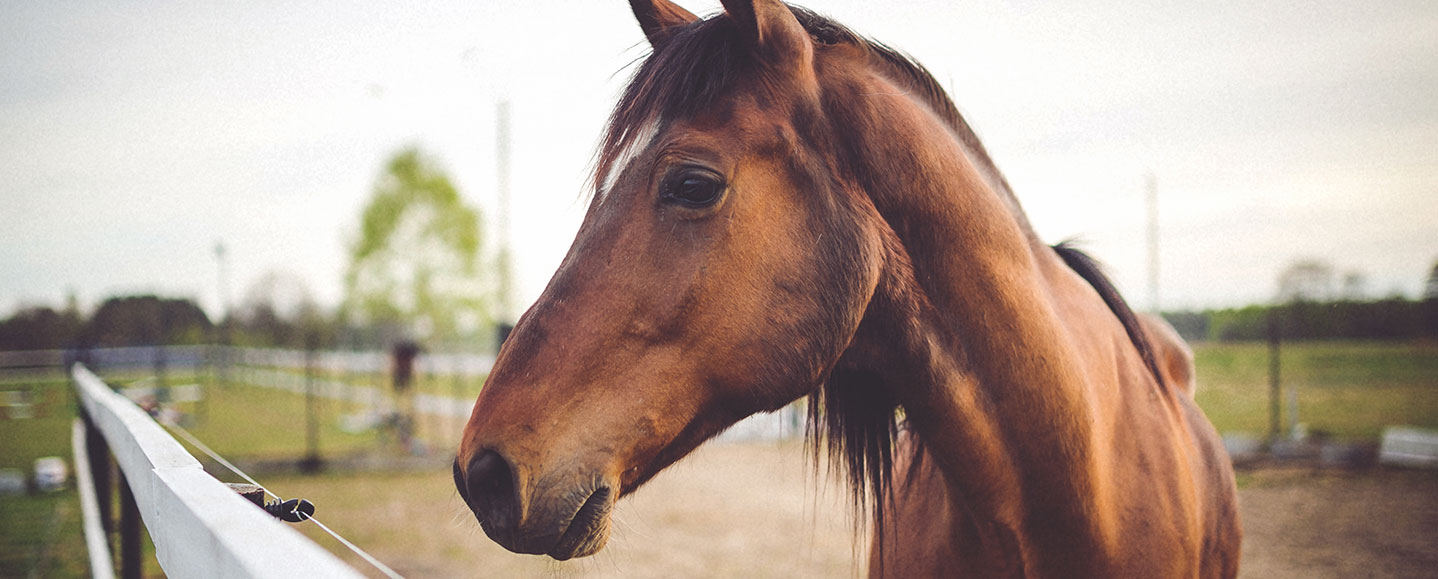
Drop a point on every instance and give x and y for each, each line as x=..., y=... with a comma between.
x=770, y=25
x=659, y=19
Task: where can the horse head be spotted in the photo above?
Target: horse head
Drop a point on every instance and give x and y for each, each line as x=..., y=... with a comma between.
x=721, y=270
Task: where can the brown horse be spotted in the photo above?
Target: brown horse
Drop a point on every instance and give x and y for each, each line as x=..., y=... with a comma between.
x=784, y=209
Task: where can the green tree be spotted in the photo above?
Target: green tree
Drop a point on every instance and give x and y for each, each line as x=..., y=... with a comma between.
x=415, y=267
x=40, y=328
x=147, y=321
x=277, y=310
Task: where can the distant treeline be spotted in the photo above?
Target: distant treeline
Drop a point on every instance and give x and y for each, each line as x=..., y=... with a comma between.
x=123, y=321
x=149, y=320
x=1387, y=319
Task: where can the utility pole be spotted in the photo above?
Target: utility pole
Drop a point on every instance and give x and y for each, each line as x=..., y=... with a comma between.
x=1151, y=196
x=223, y=358
x=224, y=285
x=505, y=304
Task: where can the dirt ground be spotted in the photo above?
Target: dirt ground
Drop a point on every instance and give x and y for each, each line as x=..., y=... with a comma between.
x=1303, y=523
x=754, y=510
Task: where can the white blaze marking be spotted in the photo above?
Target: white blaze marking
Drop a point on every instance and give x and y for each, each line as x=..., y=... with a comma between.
x=643, y=137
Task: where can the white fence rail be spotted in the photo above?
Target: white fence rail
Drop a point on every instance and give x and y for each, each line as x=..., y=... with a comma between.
x=366, y=361
x=339, y=390
x=282, y=369
x=200, y=527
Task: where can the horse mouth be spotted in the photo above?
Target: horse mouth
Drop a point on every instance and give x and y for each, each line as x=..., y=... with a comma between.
x=587, y=530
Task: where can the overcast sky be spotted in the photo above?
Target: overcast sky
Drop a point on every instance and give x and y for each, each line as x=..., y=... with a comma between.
x=135, y=135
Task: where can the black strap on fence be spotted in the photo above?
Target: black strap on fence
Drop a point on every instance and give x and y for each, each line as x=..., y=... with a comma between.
x=293, y=510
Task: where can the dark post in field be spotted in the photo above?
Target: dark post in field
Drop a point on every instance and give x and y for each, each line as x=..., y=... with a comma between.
x=162, y=385
x=312, y=461
x=1275, y=419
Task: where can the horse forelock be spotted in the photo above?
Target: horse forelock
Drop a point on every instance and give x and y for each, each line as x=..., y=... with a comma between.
x=633, y=145
x=700, y=61
x=694, y=66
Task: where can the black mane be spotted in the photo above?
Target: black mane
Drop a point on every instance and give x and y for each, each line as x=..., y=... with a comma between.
x=1089, y=269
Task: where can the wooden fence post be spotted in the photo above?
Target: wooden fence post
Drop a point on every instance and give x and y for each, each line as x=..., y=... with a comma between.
x=1275, y=419
x=131, y=567
x=312, y=461
x=100, y=470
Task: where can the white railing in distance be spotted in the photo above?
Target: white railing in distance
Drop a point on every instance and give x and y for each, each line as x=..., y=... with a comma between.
x=200, y=527
x=1409, y=446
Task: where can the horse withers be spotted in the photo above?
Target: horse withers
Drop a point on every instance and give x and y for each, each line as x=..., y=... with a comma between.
x=785, y=209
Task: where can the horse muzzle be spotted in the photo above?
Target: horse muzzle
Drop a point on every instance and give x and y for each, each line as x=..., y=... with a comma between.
x=563, y=516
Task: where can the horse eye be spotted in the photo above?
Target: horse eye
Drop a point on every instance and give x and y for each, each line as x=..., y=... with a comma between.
x=693, y=189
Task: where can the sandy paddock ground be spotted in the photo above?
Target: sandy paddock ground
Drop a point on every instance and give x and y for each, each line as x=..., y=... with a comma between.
x=755, y=510
x=1303, y=523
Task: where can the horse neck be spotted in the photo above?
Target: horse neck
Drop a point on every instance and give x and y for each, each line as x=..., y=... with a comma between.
x=966, y=332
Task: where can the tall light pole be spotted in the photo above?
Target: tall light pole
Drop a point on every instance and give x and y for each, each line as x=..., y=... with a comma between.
x=224, y=286
x=505, y=304
x=1151, y=198
x=223, y=359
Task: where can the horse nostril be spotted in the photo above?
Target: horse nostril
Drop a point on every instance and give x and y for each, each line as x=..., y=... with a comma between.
x=490, y=484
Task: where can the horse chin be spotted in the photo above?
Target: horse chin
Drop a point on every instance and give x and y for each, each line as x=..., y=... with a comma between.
x=588, y=531
x=562, y=534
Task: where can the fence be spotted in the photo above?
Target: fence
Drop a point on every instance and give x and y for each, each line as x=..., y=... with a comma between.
x=200, y=527
x=283, y=370
x=143, y=357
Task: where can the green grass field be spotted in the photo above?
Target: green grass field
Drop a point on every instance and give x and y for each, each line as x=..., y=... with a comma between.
x=1351, y=390
x=1348, y=390
x=40, y=533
